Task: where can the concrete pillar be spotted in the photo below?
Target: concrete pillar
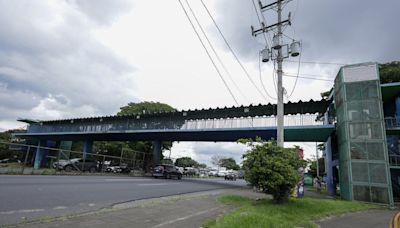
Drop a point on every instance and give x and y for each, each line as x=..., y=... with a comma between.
x=156, y=152
x=40, y=154
x=329, y=167
x=87, y=148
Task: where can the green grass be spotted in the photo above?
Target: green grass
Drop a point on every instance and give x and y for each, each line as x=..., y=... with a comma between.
x=296, y=213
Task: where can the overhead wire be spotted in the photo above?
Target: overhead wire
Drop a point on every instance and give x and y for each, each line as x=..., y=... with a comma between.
x=321, y=63
x=261, y=81
x=215, y=52
x=208, y=54
x=311, y=78
x=259, y=20
x=233, y=52
x=298, y=71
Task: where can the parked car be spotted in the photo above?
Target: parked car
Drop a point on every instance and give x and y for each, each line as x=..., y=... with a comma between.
x=166, y=171
x=123, y=168
x=231, y=176
x=76, y=164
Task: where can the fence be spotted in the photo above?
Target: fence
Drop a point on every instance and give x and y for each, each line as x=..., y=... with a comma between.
x=23, y=159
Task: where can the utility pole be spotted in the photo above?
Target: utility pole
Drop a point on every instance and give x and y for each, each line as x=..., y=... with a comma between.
x=276, y=53
x=279, y=126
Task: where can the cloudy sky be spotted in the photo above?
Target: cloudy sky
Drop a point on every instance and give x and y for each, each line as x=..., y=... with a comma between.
x=75, y=58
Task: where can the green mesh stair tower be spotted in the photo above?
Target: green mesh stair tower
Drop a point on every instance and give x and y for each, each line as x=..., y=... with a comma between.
x=363, y=159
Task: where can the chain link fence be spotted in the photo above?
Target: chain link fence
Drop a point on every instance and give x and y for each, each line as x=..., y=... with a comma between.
x=31, y=159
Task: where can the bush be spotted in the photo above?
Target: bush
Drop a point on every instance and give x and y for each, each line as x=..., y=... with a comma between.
x=272, y=169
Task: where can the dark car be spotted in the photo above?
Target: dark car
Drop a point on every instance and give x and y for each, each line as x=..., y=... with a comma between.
x=230, y=176
x=76, y=164
x=123, y=168
x=167, y=172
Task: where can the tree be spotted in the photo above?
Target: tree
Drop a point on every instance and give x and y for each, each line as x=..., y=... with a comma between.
x=216, y=160
x=229, y=163
x=144, y=108
x=202, y=165
x=271, y=168
x=186, y=162
x=313, y=166
x=389, y=72
x=115, y=148
x=167, y=161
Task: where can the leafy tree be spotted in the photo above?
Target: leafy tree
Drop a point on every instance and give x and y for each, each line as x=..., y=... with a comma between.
x=313, y=166
x=229, y=163
x=144, y=108
x=389, y=72
x=167, y=161
x=202, y=165
x=216, y=160
x=5, y=151
x=186, y=162
x=271, y=168
x=115, y=148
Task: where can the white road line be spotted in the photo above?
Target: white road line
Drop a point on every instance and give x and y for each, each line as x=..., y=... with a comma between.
x=185, y=217
x=59, y=208
x=20, y=211
x=158, y=184
x=127, y=180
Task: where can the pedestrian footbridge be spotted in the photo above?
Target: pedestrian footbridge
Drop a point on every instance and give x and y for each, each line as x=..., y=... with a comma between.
x=304, y=121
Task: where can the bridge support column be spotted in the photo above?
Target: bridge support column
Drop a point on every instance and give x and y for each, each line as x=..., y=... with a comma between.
x=40, y=154
x=87, y=148
x=329, y=167
x=156, y=152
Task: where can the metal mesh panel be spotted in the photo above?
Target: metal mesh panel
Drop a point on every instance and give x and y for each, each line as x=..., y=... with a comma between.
x=359, y=171
x=375, y=151
x=358, y=151
x=361, y=193
x=380, y=195
x=376, y=172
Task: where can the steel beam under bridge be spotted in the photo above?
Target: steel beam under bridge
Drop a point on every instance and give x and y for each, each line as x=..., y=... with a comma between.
x=312, y=133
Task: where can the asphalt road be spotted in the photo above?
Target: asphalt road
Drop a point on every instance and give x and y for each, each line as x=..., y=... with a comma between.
x=33, y=197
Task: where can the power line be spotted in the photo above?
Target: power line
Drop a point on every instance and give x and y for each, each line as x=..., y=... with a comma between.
x=322, y=63
x=298, y=71
x=259, y=20
x=209, y=56
x=261, y=81
x=233, y=52
x=320, y=79
x=215, y=52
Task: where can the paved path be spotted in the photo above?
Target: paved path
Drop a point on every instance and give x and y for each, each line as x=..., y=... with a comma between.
x=32, y=197
x=366, y=219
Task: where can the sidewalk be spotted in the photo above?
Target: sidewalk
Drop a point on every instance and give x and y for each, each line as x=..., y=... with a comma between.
x=365, y=219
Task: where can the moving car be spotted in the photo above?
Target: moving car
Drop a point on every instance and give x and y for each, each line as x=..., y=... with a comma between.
x=167, y=172
x=76, y=164
x=231, y=176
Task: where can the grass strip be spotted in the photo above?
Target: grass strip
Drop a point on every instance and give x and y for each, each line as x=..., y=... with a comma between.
x=296, y=213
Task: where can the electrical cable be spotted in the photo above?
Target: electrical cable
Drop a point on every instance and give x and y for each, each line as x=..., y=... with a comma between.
x=298, y=71
x=209, y=56
x=322, y=63
x=320, y=79
x=259, y=20
x=233, y=52
x=215, y=52
x=261, y=81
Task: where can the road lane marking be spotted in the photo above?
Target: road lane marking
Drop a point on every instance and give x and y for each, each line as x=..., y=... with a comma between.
x=59, y=208
x=157, y=184
x=20, y=211
x=126, y=179
x=186, y=217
